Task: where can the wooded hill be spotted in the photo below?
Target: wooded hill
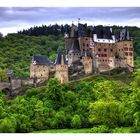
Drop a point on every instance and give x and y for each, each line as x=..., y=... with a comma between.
x=101, y=103
x=16, y=50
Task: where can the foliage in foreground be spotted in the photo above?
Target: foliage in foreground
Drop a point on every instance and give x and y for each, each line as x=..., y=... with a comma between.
x=100, y=104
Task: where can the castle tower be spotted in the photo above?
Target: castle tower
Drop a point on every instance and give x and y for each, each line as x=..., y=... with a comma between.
x=87, y=62
x=104, y=47
x=61, y=69
x=73, y=52
x=125, y=48
x=39, y=68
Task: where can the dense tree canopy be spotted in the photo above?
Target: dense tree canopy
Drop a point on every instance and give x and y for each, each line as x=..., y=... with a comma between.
x=97, y=102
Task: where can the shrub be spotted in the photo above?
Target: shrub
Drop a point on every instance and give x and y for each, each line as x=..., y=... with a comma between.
x=76, y=121
x=121, y=130
x=100, y=129
x=7, y=126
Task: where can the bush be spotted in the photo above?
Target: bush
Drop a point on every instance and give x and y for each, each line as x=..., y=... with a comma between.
x=76, y=121
x=7, y=126
x=100, y=129
x=135, y=129
x=121, y=130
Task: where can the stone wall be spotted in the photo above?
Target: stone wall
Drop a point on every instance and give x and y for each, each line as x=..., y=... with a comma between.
x=39, y=71
x=62, y=73
x=88, y=66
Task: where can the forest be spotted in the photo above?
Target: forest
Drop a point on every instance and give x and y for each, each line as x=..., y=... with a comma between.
x=101, y=103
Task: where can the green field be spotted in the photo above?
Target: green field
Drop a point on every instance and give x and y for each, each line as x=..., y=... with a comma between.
x=84, y=130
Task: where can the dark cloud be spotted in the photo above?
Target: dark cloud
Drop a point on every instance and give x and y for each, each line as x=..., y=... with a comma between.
x=17, y=16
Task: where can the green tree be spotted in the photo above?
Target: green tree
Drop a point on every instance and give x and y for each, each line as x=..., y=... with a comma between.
x=104, y=90
x=52, y=57
x=105, y=113
x=54, y=92
x=3, y=75
x=38, y=121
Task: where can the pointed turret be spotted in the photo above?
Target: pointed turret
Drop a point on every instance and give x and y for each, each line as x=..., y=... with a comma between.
x=60, y=59
x=61, y=68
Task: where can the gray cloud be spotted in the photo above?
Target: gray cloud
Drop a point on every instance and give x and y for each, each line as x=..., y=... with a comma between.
x=23, y=16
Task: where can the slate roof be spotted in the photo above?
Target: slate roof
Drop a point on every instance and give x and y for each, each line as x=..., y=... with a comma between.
x=103, y=32
x=82, y=30
x=41, y=60
x=124, y=34
x=59, y=58
x=75, y=45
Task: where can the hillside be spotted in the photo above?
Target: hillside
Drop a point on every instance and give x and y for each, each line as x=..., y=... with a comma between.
x=16, y=50
x=93, y=104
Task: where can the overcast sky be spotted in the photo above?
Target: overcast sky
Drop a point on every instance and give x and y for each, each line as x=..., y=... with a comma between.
x=13, y=19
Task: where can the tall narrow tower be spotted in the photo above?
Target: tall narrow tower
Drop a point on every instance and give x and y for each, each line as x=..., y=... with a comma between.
x=61, y=68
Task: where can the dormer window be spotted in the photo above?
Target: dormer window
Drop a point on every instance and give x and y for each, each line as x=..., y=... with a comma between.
x=34, y=62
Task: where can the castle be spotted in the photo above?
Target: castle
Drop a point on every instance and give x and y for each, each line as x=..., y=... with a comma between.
x=88, y=50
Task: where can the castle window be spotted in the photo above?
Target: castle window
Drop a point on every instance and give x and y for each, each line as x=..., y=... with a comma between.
x=99, y=49
x=102, y=55
x=87, y=45
x=103, y=60
x=126, y=49
x=130, y=49
x=130, y=54
x=99, y=55
x=83, y=44
x=105, y=50
x=105, y=55
x=126, y=54
x=86, y=39
x=111, y=50
x=125, y=44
